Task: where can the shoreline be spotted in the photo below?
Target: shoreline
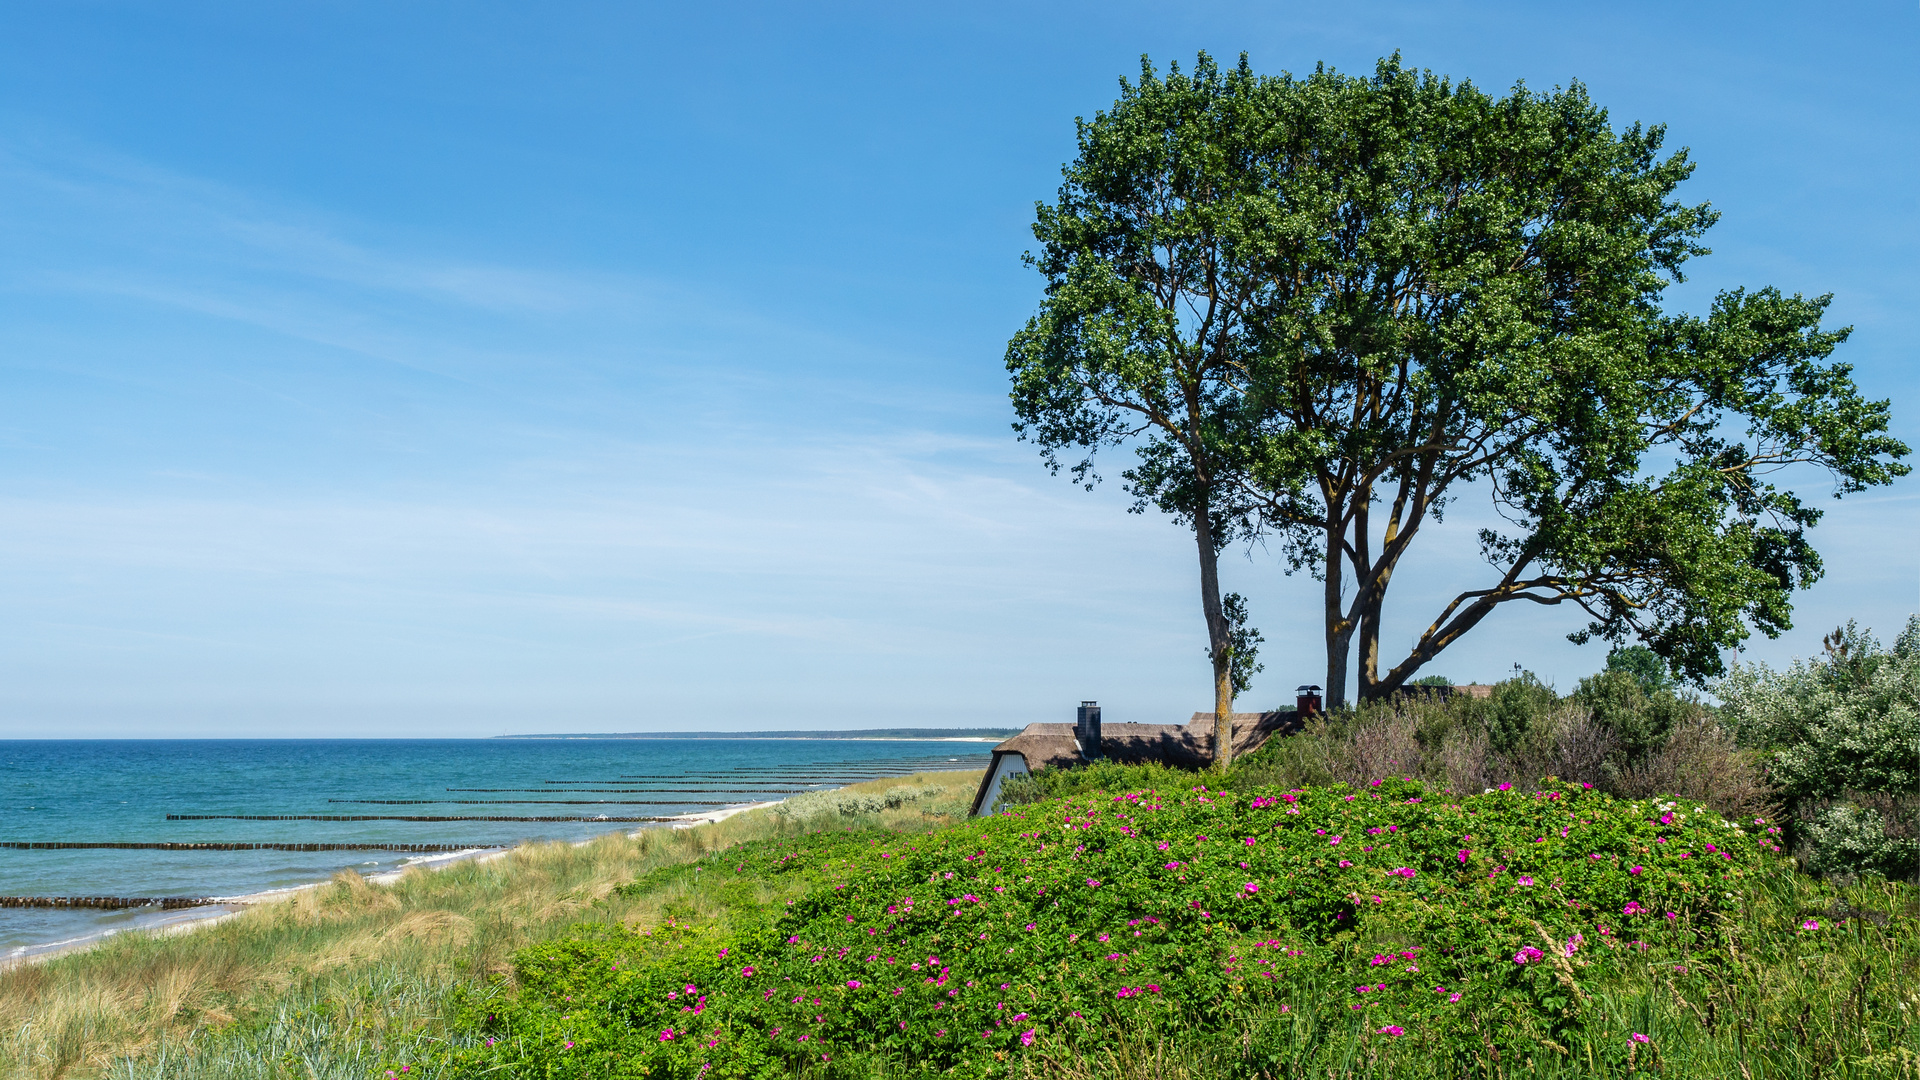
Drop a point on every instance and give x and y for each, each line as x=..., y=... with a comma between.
x=186, y=920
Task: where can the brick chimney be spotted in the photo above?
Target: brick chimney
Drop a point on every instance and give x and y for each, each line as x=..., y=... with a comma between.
x=1086, y=728
x=1307, y=700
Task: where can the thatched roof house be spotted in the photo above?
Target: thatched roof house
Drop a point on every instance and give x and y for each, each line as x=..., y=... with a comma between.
x=1189, y=745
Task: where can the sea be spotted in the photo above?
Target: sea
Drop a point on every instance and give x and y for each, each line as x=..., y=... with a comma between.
x=366, y=800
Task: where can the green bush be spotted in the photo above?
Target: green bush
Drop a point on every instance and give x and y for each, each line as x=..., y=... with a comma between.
x=1517, y=705
x=844, y=803
x=1375, y=912
x=1618, y=704
x=1841, y=741
x=1643, y=666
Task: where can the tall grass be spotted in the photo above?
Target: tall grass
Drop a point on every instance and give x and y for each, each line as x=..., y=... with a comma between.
x=335, y=978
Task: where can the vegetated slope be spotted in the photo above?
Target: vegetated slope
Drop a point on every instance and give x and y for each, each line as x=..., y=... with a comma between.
x=342, y=977
x=1332, y=929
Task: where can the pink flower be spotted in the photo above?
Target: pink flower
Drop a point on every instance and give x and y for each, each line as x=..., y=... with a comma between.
x=853, y=984
x=1394, y=1030
x=1639, y=1038
x=1527, y=955
x=1506, y=787
x=1525, y=880
x=666, y=1035
x=1810, y=924
x=1463, y=856
x=747, y=972
x=1026, y=1037
x=1251, y=887
x=1452, y=998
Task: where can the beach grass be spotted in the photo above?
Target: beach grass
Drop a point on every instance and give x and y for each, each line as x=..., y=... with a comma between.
x=334, y=978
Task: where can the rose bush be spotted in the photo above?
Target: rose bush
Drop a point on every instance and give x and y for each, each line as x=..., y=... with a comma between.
x=1409, y=909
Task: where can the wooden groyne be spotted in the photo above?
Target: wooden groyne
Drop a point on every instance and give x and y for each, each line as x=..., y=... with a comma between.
x=395, y=817
x=47, y=845
x=105, y=902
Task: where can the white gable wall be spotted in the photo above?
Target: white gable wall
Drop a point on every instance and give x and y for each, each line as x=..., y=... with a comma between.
x=1004, y=765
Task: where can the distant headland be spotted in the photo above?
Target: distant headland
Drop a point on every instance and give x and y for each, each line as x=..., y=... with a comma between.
x=968, y=734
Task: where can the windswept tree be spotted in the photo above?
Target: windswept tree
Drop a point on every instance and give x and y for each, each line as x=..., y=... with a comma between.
x=1322, y=309
x=1145, y=337
x=1460, y=296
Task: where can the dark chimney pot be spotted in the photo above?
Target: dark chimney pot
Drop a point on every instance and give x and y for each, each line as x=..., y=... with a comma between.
x=1307, y=700
x=1086, y=728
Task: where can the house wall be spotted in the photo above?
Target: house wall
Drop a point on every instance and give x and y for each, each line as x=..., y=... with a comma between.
x=1004, y=765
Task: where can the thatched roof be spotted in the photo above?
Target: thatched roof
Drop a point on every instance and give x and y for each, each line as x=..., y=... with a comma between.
x=1188, y=745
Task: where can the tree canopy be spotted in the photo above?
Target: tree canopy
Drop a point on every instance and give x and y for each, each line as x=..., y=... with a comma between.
x=1364, y=298
x=1149, y=322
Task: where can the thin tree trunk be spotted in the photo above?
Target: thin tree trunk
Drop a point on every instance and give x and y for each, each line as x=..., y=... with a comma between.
x=1218, y=637
x=1339, y=628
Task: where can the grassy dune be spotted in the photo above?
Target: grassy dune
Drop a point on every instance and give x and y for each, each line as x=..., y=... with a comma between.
x=332, y=980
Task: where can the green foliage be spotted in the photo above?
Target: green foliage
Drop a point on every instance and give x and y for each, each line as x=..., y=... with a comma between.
x=1114, y=356
x=1243, y=641
x=1431, y=680
x=1642, y=722
x=1647, y=670
x=850, y=804
x=1841, y=739
x=1516, y=707
x=1317, y=306
x=1420, y=933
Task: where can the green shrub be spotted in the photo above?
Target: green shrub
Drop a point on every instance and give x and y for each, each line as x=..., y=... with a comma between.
x=1387, y=909
x=1517, y=704
x=1833, y=732
x=1618, y=704
x=1644, y=666
x=847, y=803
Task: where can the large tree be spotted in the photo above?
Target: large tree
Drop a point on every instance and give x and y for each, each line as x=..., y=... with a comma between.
x=1325, y=307
x=1464, y=299
x=1144, y=337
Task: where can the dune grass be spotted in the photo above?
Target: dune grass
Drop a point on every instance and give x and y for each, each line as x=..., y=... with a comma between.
x=335, y=978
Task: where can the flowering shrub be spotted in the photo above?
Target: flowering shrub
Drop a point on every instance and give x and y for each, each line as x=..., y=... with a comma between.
x=1057, y=919
x=1842, y=742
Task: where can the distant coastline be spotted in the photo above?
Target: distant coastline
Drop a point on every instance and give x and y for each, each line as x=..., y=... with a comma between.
x=888, y=734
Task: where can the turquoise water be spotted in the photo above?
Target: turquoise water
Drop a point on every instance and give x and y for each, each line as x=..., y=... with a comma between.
x=117, y=792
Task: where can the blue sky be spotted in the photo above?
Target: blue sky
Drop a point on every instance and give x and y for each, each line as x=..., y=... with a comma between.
x=453, y=369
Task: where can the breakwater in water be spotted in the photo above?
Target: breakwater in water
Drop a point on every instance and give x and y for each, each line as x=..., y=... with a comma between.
x=86, y=826
x=107, y=903
x=134, y=845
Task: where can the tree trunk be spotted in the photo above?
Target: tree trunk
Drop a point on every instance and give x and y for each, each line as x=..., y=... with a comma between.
x=1219, y=640
x=1339, y=627
x=1369, y=604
